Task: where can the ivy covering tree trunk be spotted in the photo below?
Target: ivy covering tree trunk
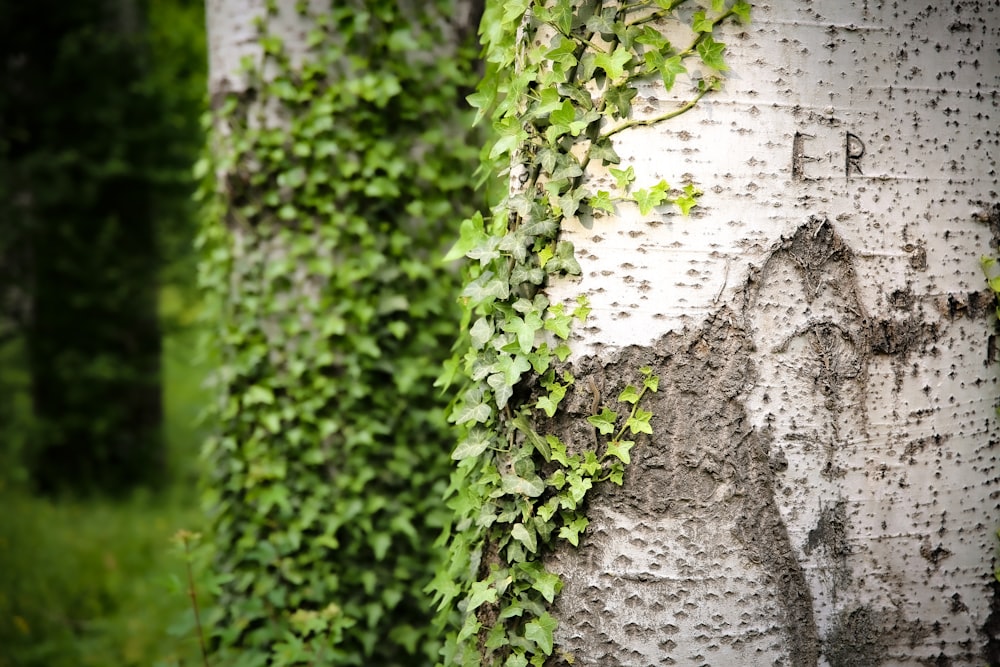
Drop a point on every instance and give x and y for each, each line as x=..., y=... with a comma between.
x=730, y=369
x=82, y=161
x=340, y=171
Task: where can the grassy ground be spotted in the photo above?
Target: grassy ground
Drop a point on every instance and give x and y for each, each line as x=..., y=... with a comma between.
x=99, y=583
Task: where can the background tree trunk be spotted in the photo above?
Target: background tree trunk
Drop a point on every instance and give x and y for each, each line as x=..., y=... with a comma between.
x=820, y=488
x=342, y=171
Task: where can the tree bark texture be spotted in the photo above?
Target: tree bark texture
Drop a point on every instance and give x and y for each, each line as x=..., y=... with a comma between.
x=820, y=488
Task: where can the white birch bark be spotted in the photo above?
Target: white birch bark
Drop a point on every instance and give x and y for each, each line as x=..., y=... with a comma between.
x=820, y=488
x=233, y=36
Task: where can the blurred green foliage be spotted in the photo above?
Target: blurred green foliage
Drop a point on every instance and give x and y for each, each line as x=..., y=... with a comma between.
x=99, y=119
x=98, y=583
x=322, y=242
x=94, y=582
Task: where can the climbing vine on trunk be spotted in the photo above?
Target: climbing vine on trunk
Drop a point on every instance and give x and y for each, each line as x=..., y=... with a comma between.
x=561, y=77
x=335, y=180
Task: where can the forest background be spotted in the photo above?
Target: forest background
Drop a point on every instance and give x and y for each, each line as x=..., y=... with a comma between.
x=101, y=114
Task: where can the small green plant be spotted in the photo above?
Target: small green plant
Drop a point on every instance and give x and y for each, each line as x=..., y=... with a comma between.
x=88, y=584
x=185, y=539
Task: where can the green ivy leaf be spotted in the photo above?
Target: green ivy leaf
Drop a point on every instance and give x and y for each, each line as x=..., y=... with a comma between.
x=485, y=252
x=649, y=198
x=623, y=177
x=601, y=24
x=564, y=260
x=569, y=170
x=511, y=135
x=536, y=441
x=617, y=474
x=688, y=199
x=602, y=202
x=701, y=23
x=480, y=333
x=629, y=395
x=620, y=449
x=614, y=63
x=525, y=536
x=549, y=100
x=558, y=448
x=639, y=423
x=482, y=592
x=558, y=322
x=619, y=100
x=576, y=490
x=513, y=485
x=562, y=16
x=670, y=69
x=548, y=158
x=564, y=115
x=380, y=543
x=516, y=659
x=548, y=585
x=604, y=151
x=258, y=395
x=513, y=10
x=572, y=530
x=486, y=288
x=502, y=391
x=741, y=9
x=512, y=367
x=497, y=637
x=466, y=413
x=475, y=443
x=604, y=422
x=524, y=329
x=550, y=403
x=540, y=631
x=652, y=37
x=711, y=53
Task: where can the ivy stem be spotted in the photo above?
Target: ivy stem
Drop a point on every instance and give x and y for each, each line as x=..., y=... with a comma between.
x=635, y=408
x=687, y=106
x=585, y=41
x=655, y=15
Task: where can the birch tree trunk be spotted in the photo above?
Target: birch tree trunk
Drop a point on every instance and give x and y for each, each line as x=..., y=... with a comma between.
x=820, y=488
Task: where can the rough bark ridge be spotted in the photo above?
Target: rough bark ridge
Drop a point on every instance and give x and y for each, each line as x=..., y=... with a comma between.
x=671, y=558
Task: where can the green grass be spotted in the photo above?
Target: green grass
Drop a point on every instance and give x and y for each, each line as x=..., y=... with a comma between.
x=93, y=583
x=101, y=583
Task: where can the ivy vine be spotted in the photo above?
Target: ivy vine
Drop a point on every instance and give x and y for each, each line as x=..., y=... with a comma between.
x=559, y=85
x=335, y=182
